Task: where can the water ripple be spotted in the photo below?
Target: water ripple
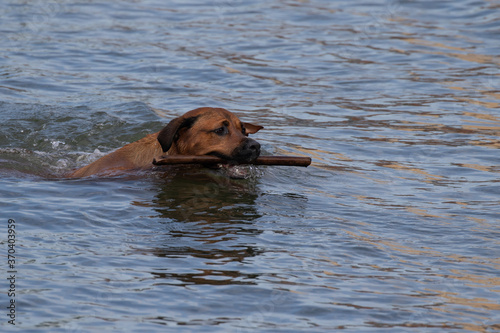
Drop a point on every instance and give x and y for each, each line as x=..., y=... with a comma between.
x=393, y=227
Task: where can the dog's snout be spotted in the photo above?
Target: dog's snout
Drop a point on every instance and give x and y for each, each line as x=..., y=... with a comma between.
x=253, y=145
x=247, y=151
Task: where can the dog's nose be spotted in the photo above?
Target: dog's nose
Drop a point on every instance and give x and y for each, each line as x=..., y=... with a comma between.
x=253, y=146
x=247, y=151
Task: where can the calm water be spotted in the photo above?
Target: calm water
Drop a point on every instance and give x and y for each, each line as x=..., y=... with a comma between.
x=394, y=228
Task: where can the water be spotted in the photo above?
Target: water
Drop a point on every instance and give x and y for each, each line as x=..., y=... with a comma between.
x=394, y=228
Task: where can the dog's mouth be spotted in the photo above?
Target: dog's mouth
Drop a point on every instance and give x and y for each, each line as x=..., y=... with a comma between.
x=232, y=167
x=246, y=152
x=239, y=159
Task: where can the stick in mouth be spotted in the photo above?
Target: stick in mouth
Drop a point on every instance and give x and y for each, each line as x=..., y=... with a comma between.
x=203, y=159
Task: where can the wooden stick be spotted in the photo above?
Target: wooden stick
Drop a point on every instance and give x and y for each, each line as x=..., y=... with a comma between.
x=262, y=160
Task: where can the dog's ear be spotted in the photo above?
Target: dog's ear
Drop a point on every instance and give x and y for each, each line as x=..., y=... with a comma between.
x=170, y=133
x=251, y=129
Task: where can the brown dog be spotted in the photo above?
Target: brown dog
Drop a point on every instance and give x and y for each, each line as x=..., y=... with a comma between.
x=203, y=131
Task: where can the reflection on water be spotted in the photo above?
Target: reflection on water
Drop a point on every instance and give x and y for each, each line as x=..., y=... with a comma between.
x=393, y=227
x=203, y=211
x=183, y=194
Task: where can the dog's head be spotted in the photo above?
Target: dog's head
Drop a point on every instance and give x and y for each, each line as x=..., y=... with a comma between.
x=210, y=131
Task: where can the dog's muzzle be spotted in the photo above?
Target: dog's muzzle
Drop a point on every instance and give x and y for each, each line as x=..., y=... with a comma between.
x=247, y=151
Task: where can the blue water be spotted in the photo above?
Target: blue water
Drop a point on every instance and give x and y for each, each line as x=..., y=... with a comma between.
x=394, y=227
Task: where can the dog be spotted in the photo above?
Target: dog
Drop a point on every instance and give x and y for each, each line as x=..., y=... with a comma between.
x=203, y=131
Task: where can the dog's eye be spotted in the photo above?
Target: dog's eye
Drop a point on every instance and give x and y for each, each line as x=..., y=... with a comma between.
x=221, y=130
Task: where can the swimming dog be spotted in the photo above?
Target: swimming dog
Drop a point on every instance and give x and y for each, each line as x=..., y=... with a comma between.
x=203, y=131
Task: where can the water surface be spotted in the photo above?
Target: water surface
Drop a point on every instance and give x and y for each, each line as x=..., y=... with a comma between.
x=394, y=228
